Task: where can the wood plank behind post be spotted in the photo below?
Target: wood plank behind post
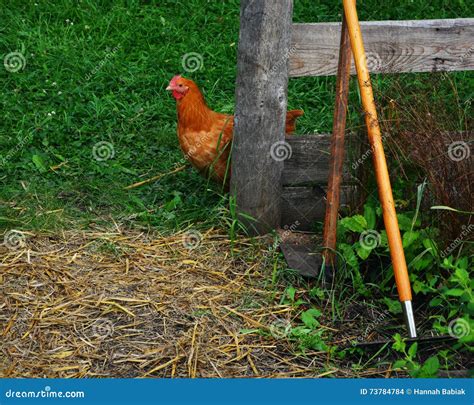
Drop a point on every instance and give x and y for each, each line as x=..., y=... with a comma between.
x=391, y=47
x=259, y=146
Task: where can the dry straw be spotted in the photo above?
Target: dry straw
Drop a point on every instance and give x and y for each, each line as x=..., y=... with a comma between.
x=130, y=304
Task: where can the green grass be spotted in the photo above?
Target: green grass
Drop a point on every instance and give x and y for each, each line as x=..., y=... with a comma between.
x=97, y=72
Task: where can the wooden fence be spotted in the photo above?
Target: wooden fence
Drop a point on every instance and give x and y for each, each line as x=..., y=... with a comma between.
x=277, y=192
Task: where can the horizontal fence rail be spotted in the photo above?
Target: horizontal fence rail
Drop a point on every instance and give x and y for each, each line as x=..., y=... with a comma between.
x=391, y=46
x=309, y=160
x=306, y=170
x=305, y=177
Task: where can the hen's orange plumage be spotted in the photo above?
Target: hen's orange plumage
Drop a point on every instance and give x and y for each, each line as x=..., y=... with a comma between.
x=205, y=135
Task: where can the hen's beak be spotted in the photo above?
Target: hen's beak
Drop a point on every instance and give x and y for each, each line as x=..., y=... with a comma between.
x=170, y=88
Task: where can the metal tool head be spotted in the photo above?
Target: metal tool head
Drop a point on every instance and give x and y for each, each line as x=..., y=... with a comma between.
x=409, y=318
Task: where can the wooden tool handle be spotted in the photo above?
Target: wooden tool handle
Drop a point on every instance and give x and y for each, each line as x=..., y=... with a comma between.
x=375, y=138
x=337, y=146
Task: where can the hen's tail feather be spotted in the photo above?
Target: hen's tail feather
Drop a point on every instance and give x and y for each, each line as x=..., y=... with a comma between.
x=291, y=117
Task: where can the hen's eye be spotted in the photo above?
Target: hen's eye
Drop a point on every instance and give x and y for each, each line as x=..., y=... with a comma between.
x=180, y=85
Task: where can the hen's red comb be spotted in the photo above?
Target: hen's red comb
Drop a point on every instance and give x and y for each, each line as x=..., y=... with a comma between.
x=174, y=80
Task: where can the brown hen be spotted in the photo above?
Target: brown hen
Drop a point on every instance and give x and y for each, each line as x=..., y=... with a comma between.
x=204, y=135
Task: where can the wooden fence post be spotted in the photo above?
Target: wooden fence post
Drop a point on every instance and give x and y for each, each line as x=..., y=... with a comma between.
x=259, y=146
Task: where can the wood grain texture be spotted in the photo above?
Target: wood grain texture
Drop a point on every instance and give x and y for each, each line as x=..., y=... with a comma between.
x=302, y=257
x=336, y=160
x=305, y=178
x=302, y=207
x=391, y=46
x=309, y=161
x=260, y=113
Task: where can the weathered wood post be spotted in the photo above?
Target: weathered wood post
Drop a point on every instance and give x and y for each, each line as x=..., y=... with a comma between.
x=261, y=103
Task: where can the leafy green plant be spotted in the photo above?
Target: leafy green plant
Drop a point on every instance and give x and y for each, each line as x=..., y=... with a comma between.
x=445, y=284
x=362, y=239
x=456, y=295
x=289, y=297
x=428, y=369
x=309, y=335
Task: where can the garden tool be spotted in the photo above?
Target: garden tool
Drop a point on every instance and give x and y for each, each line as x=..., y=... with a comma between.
x=383, y=180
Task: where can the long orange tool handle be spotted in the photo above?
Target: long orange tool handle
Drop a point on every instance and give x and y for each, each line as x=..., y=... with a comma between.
x=381, y=171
